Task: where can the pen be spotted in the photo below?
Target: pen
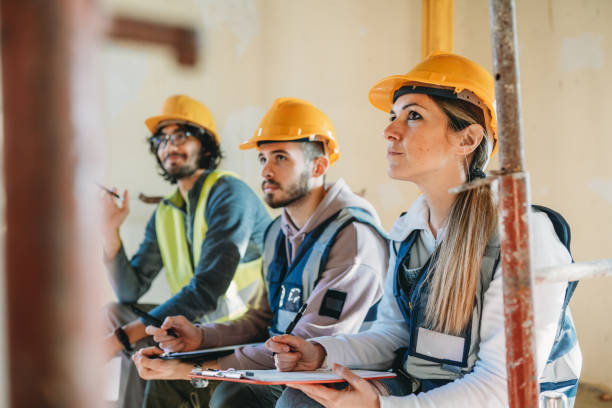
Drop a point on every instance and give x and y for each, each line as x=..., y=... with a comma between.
x=150, y=319
x=297, y=318
x=108, y=190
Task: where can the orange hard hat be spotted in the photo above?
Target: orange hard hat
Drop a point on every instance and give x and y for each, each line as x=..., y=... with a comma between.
x=182, y=108
x=294, y=119
x=441, y=70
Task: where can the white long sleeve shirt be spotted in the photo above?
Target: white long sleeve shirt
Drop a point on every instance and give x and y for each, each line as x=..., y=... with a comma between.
x=485, y=386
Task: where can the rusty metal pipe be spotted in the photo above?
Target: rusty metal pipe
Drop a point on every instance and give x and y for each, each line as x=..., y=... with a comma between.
x=514, y=202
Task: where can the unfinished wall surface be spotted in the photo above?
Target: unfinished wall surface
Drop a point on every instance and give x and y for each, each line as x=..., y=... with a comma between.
x=331, y=52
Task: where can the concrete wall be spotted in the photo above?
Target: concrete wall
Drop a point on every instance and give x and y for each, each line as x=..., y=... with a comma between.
x=330, y=52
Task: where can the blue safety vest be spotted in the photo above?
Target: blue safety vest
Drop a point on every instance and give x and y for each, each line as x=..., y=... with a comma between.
x=439, y=358
x=290, y=285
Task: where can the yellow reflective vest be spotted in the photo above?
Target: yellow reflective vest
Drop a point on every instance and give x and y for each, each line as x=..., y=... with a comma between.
x=171, y=237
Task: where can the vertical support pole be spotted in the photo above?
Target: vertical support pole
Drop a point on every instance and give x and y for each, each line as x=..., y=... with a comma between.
x=51, y=138
x=436, y=26
x=514, y=204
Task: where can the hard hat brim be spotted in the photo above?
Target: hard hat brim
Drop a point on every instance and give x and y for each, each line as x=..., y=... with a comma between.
x=381, y=94
x=249, y=144
x=153, y=123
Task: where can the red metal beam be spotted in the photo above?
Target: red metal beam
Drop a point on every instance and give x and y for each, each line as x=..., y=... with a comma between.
x=514, y=204
x=50, y=131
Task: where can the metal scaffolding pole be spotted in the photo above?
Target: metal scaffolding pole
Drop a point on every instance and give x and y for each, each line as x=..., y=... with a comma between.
x=514, y=202
x=574, y=272
x=51, y=135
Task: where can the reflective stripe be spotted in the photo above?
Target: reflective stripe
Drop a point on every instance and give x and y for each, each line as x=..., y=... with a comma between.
x=234, y=303
x=568, y=387
x=178, y=262
x=170, y=230
x=312, y=259
x=270, y=237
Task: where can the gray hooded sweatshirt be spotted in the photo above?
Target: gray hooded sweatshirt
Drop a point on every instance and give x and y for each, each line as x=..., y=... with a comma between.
x=356, y=265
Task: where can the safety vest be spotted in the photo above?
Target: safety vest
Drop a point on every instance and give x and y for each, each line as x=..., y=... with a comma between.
x=290, y=285
x=435, y=359
x=179, y=263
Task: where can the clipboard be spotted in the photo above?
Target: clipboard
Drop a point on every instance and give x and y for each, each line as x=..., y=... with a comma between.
x=275, y=377
x=204, y=354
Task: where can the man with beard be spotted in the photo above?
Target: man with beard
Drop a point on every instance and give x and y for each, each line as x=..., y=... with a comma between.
x=326, y=250
x=207, y=235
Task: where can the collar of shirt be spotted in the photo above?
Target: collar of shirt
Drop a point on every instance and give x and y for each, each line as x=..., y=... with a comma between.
x=193, y=195
x=416, y=218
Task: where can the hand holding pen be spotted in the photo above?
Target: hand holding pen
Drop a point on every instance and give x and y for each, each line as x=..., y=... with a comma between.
x=296, y=319
x=150, y=320
x=108, y=190
x=295, y=354
x=112, y=218
x=288, y=331
x=187, y=336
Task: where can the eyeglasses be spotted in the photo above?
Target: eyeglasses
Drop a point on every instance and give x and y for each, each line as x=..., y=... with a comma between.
x=177, y=138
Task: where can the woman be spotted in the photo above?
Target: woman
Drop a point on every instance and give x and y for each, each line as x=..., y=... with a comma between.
x=440, y=323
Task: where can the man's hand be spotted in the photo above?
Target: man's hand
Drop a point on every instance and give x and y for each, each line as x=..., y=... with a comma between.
x=157, y=369
x=360, y=393
x=112, y=218
x=295, y=354
x=189, y=336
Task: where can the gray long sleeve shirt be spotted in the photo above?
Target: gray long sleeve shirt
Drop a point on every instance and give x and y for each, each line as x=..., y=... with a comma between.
x=236, y=220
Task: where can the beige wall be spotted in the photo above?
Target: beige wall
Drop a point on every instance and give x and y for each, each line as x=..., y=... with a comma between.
x=330, y=52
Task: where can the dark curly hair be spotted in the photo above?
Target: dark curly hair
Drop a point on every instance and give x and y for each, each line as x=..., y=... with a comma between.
x=209, y=156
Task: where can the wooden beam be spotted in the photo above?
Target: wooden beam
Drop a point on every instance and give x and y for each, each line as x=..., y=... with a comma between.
x=181, y=39
x=50, y=133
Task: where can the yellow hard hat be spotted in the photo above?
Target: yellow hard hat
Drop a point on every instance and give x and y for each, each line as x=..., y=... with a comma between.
x=294, y=119
x=182, y=108
x=444, y=71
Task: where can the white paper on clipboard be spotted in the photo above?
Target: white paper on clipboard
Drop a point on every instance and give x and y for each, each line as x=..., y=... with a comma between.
x=275, y=377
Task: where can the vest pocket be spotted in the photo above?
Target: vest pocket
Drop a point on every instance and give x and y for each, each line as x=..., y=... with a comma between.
x=440, y=347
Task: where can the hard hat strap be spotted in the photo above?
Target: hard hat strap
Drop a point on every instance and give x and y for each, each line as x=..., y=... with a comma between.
x=414, y=89
x=302, y=139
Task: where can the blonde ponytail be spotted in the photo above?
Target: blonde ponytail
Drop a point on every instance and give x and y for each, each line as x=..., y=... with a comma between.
x=455, y=270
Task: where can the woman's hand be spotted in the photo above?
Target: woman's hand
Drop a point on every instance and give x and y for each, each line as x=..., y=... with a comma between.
x=295, y=354
x=359, y=393
x=157, y=369
x=189, y=336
